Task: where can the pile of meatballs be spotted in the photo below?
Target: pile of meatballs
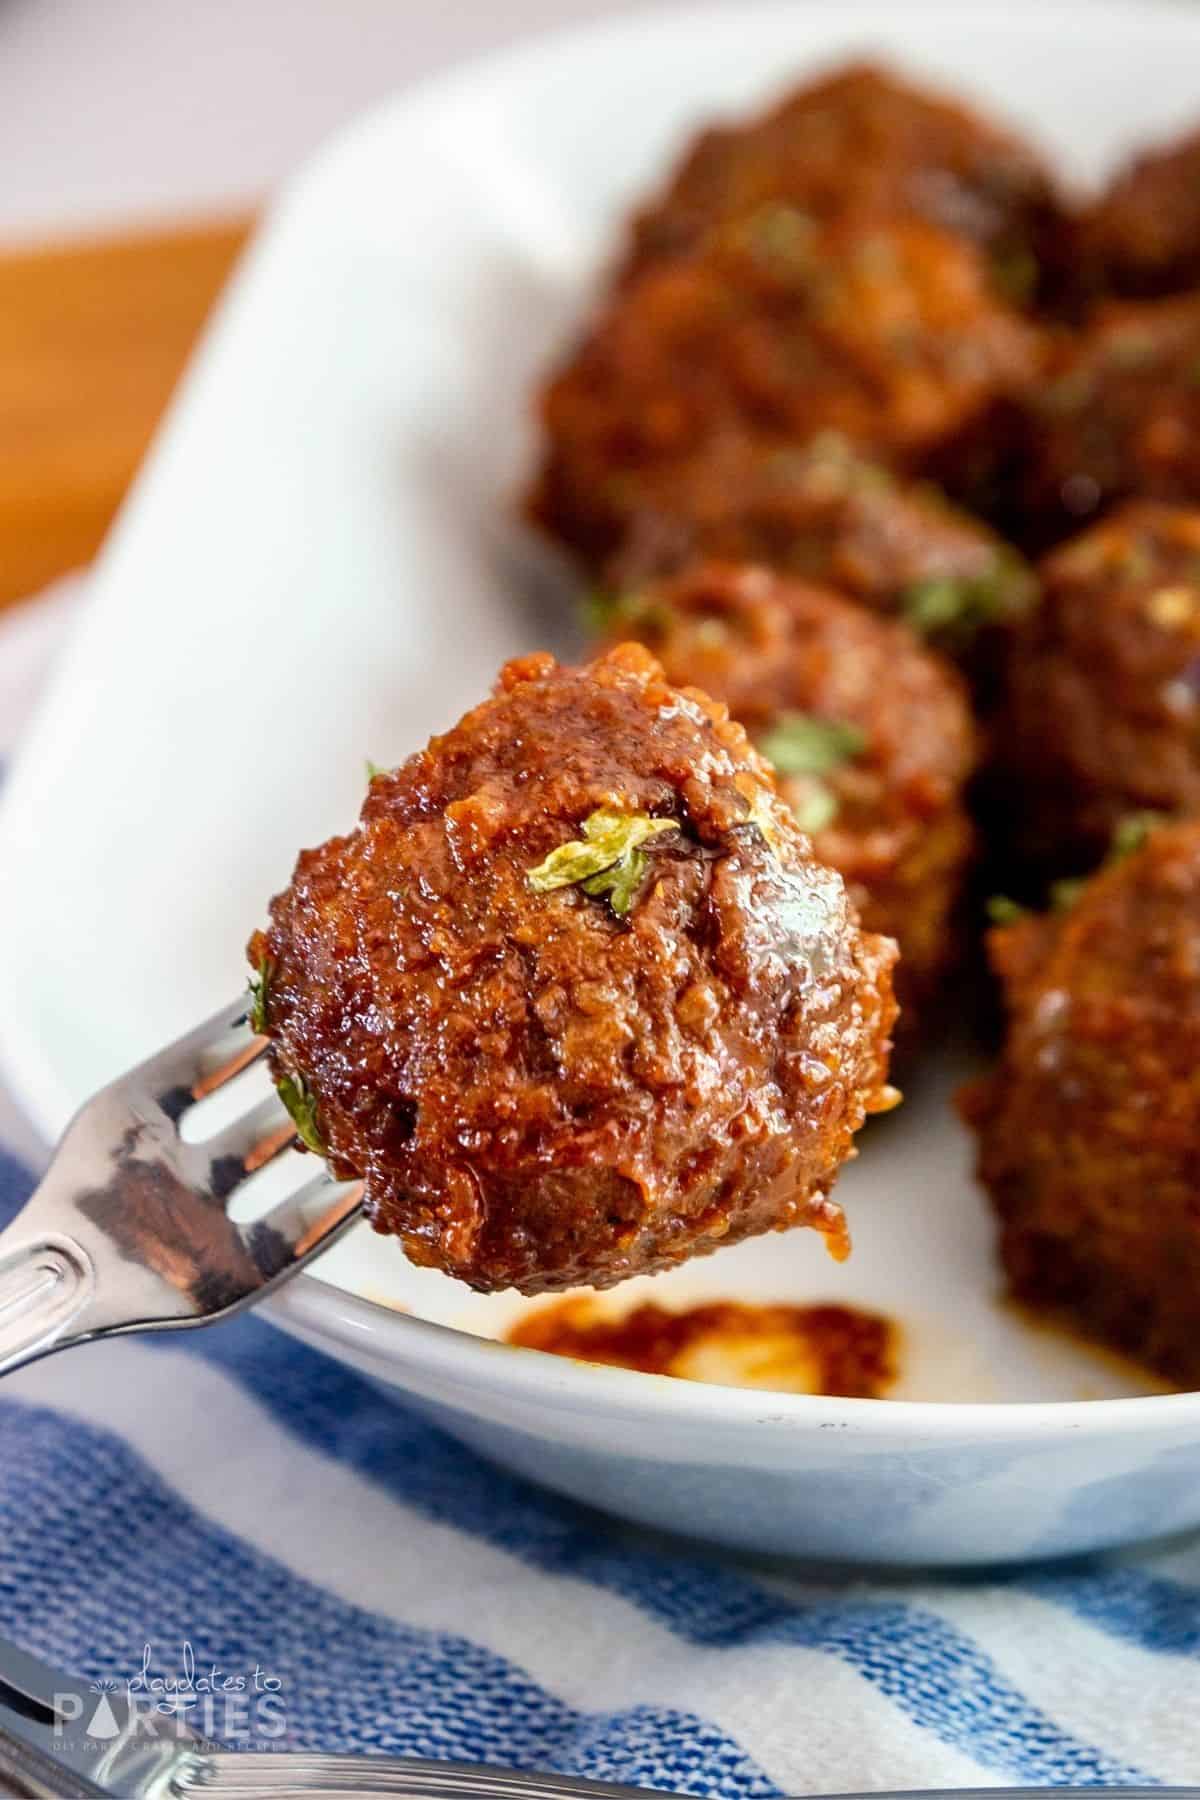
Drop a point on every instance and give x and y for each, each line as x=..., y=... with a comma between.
x=881, y=464
x=878, y=440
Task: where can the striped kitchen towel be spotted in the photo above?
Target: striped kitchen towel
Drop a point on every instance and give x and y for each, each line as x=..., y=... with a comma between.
x=295, y=1560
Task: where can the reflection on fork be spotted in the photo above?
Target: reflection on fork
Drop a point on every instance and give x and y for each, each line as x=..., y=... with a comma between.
x=147, y=1220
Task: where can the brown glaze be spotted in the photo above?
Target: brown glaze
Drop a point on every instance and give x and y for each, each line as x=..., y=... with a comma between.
x=1103, y=705
x=863, y=140
x=785, y=1349
x=537, y=1091
x=1141, y=239
x=1118, y=418
x=770, y=647
x=883, y=331
x=828, y=515
x=1088, y=1133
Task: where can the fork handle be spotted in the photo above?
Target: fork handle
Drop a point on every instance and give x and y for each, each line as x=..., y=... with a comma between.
x=251, y=1775
x=45, y=1284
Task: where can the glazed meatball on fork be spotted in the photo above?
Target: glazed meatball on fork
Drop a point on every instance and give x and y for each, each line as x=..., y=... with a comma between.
x=574, y=1001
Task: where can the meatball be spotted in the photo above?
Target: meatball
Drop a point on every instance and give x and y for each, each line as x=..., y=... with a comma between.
x=870, y=734
x=827, y=515
x=1102, y=712
x=885, y=332
x=1120, y=418
x=1088, y=1125
x=574, y=999
x=1141, y=239
x=863, y=140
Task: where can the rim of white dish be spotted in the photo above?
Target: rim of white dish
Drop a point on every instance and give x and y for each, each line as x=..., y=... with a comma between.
x=314, y=1307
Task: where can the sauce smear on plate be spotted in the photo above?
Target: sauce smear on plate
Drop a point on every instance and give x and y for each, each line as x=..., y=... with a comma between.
x=788, y=1349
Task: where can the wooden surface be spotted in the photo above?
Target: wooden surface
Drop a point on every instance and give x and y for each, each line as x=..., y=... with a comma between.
x=92, y=340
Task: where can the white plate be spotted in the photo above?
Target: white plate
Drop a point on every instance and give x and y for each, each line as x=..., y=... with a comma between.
x=319, y=565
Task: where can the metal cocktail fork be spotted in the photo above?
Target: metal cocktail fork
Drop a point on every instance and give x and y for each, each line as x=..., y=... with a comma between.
x=131, y=1229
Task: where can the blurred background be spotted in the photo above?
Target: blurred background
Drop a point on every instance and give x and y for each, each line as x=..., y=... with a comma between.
x=137, y=140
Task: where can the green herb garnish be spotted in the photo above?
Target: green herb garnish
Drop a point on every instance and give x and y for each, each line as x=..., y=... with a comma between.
x=1065, y=893
x=605, y=612
x=1070, y=392
x=943, y=604
x=1003, y=910
x=830, y=458
x=1015, y=273
x=606, y=861
x=799, y=744
x=374, y=769
x=780, y=236
x=815, y=808
x=301, y=1103
x=260, y=985
x=1132, y=832
x=618, y=885
x=1129, y=834
x=955, y=607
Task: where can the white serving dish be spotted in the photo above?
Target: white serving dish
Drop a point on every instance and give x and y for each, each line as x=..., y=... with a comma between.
x=319, y=564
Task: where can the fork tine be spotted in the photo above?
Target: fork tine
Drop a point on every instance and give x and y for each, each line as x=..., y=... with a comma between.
x=200, y=1061
x=222, y=1065
x=247, y=1144
x=314, y=1212
x=125, y=1219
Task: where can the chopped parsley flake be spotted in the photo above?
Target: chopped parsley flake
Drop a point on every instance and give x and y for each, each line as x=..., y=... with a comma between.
x=955, y=607
x=815, y=808
x=802, y=746
x=799, y=744
x=374, y=769
x=1015, y=273
x=1131, y=833
x=301, y=1103
x=260, y=986
x=1065, y=893
x=606, y=862
x=1127, y=838
x=605, y=612
x=780, y=236
x=830, y=464
x=1003, y=910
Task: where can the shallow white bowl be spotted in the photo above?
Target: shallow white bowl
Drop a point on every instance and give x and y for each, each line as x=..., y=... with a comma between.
x=319, y=564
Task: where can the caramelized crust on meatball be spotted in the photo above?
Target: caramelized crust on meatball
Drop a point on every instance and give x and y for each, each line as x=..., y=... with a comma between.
x=1103, y=701
x=863, y=140
x=883, y=331
x=1118, y=419
x=574, y=999
x=1142, y=237
x=1087, y=1127
x=870, y=734
x=828, y=515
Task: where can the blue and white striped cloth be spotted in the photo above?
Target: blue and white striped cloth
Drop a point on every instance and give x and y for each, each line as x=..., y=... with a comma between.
x=238, y=1494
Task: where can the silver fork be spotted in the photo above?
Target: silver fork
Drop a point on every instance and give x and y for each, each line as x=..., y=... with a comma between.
x=131, y=1228
x=46, y=1752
